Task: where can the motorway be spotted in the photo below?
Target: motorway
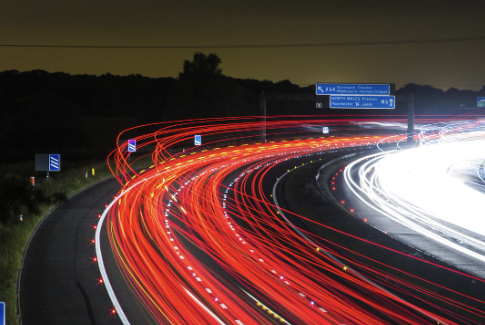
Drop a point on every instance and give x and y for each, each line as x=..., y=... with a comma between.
x=60, y=281
x=429, y=197
x=198, y=239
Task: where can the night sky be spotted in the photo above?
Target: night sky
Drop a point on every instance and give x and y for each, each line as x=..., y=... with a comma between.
x=448, y=57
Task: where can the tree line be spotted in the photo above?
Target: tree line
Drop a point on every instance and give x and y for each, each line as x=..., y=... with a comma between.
x=80, y=115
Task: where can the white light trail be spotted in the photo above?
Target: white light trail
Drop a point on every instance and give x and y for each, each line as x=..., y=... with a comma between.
x=436, y=189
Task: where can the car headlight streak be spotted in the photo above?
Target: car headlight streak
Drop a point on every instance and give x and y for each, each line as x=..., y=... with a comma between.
x=428, y=188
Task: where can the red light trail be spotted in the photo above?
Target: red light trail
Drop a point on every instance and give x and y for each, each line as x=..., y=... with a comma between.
x=199, y=240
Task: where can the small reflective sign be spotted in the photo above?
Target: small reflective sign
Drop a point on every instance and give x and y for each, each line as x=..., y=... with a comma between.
x=132, y=145
x=197, y=140
x=54, y=162
x=3, y=313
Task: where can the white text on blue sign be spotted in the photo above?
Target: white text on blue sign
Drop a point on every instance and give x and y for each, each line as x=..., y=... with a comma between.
x=353, y=89
x=363, y=102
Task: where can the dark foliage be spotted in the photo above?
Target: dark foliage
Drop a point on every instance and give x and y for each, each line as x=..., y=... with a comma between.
x=18, y=197
x=80, y=116
x=432, y=101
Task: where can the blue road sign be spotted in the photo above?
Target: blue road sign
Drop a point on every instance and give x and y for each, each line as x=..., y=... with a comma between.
x=3, y=312
x=132, y=145
x=197, y=140
x=363, y=102
x=325, y=130
x=353, y=89
x=481, y=102
x=54, y=162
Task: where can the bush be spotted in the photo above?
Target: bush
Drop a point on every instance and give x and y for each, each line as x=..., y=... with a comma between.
x=15, y=194
x=17, y=197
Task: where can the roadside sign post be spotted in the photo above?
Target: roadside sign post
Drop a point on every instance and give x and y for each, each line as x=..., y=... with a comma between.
x=48, y=163
x=410, y=119
x=132, y=145
x=54, y=163
x=355, y=96
x=367, y=96
x=197, y=140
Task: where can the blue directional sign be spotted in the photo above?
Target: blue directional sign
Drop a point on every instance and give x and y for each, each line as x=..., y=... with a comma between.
x=481, y=102
x=353, y=89
x=54, y=162
x=363, y=102
x=197, y=140
x=3, y=313
x=132, y=145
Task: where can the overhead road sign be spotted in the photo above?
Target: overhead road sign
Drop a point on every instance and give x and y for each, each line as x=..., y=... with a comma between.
x=353, y=89
x=132, y=145
x=481, y=102
x=363, y=102
x=197, y=140
x=54, y=162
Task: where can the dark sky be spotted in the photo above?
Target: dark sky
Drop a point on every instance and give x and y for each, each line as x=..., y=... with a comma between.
x=447, y=64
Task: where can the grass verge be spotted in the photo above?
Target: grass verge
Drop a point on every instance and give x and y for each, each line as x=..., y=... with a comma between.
x=14, y=235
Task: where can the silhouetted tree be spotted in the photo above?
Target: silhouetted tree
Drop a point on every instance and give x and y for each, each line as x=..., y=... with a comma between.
x=427, y=99
x=203, y=91
x=202, y=66
x=69, y=114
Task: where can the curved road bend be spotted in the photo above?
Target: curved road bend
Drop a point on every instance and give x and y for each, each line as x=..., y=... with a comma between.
x=59, y=281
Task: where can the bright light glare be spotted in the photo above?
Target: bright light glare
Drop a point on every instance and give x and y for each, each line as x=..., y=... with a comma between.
x=421, y=177
x=437, y=189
